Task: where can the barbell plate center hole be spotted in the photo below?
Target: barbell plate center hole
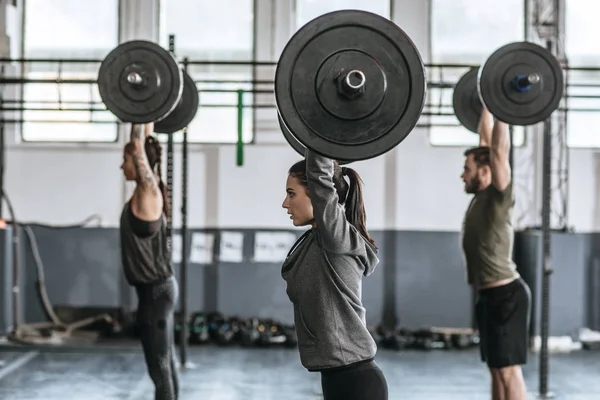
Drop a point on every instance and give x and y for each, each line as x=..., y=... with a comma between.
x=355, y=80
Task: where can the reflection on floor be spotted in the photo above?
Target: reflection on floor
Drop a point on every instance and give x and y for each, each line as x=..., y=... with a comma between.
x=252, y=374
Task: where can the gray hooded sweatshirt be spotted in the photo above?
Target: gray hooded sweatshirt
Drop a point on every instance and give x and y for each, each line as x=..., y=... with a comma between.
x=324, y=271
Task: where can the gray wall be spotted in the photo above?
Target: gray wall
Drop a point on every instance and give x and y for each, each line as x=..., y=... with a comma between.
x=426, y=269
x=575, y=279
x=571, y=262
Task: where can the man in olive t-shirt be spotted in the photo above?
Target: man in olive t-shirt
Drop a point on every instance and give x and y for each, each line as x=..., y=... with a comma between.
x=503, y=304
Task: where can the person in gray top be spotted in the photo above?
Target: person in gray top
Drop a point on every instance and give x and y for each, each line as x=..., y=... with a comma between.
x=324, y=271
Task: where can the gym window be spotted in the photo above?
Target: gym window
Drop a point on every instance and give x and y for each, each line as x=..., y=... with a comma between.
x=214, y=31
x=64, y=29
x=581, y=25
x=484, y=26
x=306, y=10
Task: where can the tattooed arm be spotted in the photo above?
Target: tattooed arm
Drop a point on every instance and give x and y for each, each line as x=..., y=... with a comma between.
x=147, y=199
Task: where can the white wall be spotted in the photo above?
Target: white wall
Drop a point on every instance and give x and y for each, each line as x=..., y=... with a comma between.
x=414, y=187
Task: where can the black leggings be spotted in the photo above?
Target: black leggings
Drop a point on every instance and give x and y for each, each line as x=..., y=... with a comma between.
x=155, y=321
x=363, y=381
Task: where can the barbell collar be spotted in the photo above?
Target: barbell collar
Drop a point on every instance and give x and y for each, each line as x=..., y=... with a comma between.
x=533, y=78
x=352, y=84
x=135, y=79
x=523, y=82
x=354, y=81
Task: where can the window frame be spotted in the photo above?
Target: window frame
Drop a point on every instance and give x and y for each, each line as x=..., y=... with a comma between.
x=19, y=127
x=526, y=129
x=594, y=62
x=17, y=140
x=467, y=145
x=294, y=20
x=162, y=29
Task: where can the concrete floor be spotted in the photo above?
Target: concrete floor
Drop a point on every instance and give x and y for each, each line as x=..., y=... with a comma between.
x=249, y=374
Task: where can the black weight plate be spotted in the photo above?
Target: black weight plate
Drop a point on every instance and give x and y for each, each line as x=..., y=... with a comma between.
x=516, y=107
x=149, y=102
x=296, y=145
x=466, y=102
x=331, y=124
x=185, y=111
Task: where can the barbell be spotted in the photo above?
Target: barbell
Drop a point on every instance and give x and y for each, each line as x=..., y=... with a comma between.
x=351, y=85
x=521, y=84
x=141, y=82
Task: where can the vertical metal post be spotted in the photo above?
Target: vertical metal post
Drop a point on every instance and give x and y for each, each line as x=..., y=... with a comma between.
x=511, y=162
x=240, y=129
x=2, y=158
x=170, y=173
x=183, y=346
x=527, y=19
x=2, y=148
x=16, y=287
x=170, y=179
x=511, y=154
x=16, y=261
x=546, y=261
x=546, y=256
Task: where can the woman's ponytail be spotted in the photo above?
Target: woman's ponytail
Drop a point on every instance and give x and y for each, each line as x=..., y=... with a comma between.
x=354, y=203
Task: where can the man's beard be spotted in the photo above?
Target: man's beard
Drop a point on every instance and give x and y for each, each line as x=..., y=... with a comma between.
x=473, y=186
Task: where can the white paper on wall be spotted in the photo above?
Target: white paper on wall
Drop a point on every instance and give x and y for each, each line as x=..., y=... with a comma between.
x=201, y=249
x=232, y=247
x=176, y=246
x=272, y=246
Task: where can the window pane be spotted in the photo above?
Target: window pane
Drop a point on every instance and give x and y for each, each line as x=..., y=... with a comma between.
x=79, y=30
x=584, y=86
x=194, y=24
x=581, y=20
x=307, y=10
x=484, y=26
x=584, y=104
x=459, y=136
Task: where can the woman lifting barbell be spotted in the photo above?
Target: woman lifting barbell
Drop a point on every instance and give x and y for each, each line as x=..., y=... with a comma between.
x=146, y=258
x=323, y=271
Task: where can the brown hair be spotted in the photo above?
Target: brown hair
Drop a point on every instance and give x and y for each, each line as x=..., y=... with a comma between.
x=481, y=155
x=349, y=194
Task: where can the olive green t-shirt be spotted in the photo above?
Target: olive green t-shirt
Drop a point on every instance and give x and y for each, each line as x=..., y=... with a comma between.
x=487, y=237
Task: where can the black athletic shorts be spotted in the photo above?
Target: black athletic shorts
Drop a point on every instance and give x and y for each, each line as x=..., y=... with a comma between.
x=503, y=314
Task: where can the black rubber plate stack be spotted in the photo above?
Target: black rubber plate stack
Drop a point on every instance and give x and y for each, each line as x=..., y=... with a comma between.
x=529, y=105
x=185, y=111
x=296, y=145
x=155, y=97
x=316, y=60
x=466, y=102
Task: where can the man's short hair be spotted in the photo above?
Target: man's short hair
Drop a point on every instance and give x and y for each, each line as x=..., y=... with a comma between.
x=481, y=155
